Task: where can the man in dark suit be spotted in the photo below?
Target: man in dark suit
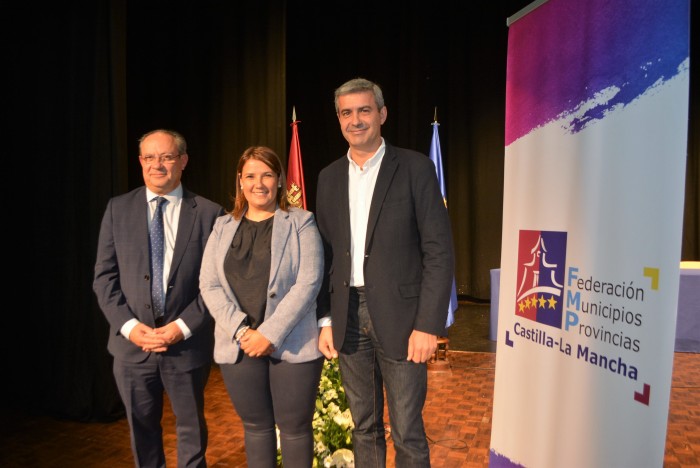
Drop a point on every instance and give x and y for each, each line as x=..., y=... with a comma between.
x=389, y=268
x=161, y=336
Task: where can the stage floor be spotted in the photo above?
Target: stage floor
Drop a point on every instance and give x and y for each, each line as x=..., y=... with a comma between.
x=457, y=416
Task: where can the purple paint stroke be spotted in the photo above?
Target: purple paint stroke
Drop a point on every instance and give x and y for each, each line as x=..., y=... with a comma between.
x=564, y=52
x=497, y=460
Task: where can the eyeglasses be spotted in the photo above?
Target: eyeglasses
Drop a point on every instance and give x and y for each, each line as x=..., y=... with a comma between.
x=163, y=158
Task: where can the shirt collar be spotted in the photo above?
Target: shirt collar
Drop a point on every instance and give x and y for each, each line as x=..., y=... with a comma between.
x=374, y=160
x=172, y=197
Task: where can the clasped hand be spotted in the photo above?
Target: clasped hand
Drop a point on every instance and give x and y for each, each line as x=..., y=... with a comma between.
x=254, y=344
x=155, y=340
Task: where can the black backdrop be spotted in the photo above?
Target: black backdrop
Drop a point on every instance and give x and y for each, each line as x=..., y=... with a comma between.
x=89, y=77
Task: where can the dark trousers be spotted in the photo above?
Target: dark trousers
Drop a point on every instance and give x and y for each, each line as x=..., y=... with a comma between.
x=366, y=373
x=266, y=391
x=141, y=386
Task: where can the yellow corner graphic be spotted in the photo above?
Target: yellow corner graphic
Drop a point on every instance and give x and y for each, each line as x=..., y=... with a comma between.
x=652, y=273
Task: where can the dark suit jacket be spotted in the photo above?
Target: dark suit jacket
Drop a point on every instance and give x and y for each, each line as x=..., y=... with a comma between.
x=123, y=280
x=409, y=257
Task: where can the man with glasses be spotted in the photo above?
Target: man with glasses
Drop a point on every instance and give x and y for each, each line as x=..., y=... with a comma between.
x=147, y=284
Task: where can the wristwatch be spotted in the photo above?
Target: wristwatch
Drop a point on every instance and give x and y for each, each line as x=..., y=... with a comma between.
x=240, y=332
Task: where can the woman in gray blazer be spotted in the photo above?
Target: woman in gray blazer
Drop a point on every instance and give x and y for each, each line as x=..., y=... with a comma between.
x=261, y=272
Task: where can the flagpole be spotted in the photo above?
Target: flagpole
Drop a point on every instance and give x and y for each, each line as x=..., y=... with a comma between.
x=436, y=158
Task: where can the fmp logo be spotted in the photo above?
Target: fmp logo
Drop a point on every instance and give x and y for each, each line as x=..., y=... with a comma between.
x=540, y=278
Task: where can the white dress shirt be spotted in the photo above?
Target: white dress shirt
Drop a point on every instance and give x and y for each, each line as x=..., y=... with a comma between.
x=171, y=218
x=361, y=182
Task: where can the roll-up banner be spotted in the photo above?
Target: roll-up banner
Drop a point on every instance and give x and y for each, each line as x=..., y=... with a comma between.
x=595, y=154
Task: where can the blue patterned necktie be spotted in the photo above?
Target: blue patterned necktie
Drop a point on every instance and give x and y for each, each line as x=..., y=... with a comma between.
x=157, y=258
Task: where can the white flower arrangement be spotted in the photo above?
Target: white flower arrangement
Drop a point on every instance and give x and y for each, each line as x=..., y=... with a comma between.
x=342, y=458
x=332, y=421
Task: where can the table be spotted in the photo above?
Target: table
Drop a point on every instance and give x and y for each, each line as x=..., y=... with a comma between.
x=688, y=318
x=495, y=289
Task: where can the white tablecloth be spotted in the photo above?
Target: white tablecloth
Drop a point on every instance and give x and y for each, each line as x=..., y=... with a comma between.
x=688, y=319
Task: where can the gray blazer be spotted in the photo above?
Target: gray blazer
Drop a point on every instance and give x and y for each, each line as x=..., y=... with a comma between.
x=295, y=279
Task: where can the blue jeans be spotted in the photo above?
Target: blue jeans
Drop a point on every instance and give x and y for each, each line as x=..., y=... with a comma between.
x=366, y=373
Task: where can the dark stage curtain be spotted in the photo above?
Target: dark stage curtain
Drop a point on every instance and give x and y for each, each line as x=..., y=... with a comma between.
x=89, y=77
x=93, y=77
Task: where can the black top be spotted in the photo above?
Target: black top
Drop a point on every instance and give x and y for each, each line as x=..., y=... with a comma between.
x=247, y=267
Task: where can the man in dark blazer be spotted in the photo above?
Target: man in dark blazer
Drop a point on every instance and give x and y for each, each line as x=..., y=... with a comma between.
x=167, y=348
x=389, y=268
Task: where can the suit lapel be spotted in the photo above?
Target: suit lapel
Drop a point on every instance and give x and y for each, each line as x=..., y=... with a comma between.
x=344, y=201
x=140, y=230
x=228, y=231
x=386, y=174
x=280, y=233
x=188, y=214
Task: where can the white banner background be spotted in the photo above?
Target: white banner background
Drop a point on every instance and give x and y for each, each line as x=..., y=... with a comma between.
x=614, y=183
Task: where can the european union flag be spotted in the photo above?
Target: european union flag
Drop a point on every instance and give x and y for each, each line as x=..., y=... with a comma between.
x=436, y=157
